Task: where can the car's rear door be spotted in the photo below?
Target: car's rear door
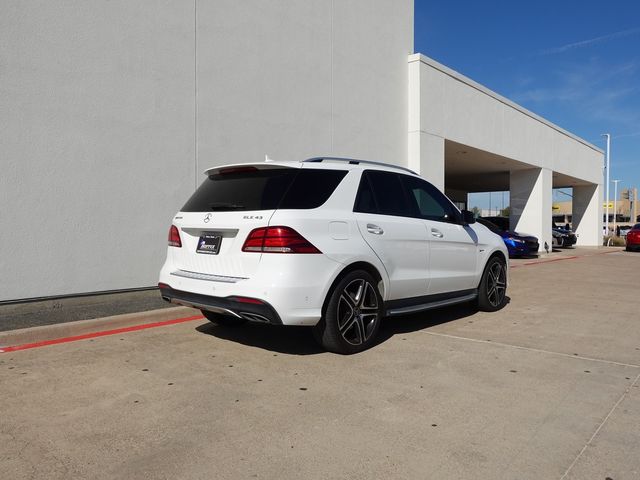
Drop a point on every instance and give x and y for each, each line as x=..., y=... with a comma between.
x=400, y=241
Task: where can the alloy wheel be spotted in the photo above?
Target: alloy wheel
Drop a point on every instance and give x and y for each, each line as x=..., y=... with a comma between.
x=496, y=284
x=357, y=311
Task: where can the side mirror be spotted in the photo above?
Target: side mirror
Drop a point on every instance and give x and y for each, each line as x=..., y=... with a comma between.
x=467, y=217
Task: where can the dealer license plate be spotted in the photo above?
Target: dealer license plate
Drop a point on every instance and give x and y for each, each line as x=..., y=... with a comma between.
x=209, y=243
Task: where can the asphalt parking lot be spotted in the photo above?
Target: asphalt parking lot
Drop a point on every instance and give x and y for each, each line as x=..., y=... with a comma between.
x=547, y=388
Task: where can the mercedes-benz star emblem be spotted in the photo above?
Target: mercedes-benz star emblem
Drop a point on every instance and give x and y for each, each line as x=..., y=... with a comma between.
x=207, y=217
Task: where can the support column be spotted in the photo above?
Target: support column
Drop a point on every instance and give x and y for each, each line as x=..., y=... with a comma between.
x=426, y=157
x=530, y=203
x=426, y=151
x=587, y=214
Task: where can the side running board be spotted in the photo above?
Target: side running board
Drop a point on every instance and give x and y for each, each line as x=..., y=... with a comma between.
x=392, y=312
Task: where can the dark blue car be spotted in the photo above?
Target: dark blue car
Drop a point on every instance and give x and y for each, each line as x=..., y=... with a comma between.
x=518, y=244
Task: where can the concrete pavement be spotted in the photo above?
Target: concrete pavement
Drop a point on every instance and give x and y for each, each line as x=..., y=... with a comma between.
x=546, y=388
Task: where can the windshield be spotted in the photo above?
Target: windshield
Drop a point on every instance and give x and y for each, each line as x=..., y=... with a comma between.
x=491, y=226
x=500, y=222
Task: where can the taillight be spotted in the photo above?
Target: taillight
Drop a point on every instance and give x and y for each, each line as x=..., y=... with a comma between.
x=277, y=240
x=174, y=237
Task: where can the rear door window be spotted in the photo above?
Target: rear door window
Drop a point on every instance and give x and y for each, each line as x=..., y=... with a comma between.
x=382, y=193
x=248, y=188
x=311, y=188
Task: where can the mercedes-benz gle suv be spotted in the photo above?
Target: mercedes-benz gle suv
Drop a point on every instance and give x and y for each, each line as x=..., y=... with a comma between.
x=335, y=244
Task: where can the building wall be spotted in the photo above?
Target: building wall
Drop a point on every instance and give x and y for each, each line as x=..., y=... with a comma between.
x=300, y=79
x=112, y=109
x=96, y=141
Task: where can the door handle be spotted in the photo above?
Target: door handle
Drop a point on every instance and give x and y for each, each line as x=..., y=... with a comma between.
x=436, y=233
x=375, y=229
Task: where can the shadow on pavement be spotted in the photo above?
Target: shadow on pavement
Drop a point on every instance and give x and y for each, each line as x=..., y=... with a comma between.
x=299, y=340
x=424, y=320
x=291, y=340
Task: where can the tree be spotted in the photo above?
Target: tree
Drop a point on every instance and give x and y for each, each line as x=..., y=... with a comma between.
x=505, y=212
x=476, y=211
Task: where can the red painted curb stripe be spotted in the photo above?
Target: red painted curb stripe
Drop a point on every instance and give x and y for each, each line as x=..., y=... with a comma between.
x=552, y=260
x=564, y=258
x=103, y=333
x=526, y=264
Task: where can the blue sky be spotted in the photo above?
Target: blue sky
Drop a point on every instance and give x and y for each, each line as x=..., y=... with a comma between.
x=576, y=63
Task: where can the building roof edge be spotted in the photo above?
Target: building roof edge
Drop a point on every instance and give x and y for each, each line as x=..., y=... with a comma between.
x=419, y=57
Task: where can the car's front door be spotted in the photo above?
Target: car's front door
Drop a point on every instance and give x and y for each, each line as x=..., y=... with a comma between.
x=453, y=246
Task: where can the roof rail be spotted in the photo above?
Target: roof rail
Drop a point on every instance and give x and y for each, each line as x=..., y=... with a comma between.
x=355, y=161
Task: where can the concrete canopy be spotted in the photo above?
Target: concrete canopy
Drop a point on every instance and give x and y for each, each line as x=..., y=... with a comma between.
x=473, y=170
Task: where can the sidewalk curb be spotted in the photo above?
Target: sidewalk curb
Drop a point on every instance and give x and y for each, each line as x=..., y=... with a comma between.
x=81, y=327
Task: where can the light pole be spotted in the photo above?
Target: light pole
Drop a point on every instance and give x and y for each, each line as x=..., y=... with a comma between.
x=615, y=203
x=606, y=188
x=632, y=210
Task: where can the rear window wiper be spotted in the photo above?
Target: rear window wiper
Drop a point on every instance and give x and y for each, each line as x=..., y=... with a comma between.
x=225, y=206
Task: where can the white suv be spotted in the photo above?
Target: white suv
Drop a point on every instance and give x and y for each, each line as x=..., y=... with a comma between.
x=337, y=244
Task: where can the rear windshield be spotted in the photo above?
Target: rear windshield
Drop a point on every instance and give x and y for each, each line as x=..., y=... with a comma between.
x=252, y=189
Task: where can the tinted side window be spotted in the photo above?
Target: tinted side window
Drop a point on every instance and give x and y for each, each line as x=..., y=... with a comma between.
x=428, y=201
x=365, y=203
x=383, y=192
x=311, y=188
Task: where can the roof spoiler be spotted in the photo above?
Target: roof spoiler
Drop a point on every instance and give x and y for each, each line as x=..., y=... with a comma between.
x=356, y=161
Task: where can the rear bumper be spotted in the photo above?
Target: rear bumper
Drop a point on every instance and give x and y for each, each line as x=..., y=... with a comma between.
x=294, y=286
x=254, y=312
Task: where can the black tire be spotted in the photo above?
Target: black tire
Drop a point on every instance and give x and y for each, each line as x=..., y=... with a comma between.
x=492, y=291
x=352, y=315
x=223, y=320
